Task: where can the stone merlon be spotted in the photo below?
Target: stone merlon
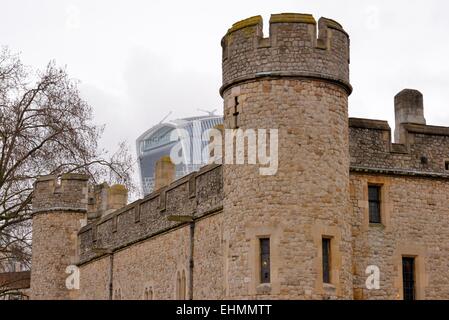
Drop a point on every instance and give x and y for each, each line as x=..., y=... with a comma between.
x=67, y=192
x=294, y=48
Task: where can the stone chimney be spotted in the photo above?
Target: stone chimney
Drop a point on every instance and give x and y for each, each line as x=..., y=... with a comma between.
x=104, y=199
x=117, y=197
x=164, y=173
x=408, y=108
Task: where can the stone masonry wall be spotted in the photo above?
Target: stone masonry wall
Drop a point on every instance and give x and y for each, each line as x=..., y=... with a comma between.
x=193, y=196
x=154, y=264
x=426, y=150
x=304, y=201
x=54, y=249
x=415, y=223
x=209, y=259
x=94, y=280
x=59, y=206
x=297, y=81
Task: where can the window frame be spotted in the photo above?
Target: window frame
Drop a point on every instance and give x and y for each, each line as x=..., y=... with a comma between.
x=326, y=264
x=405, y=280
x=377, y=201
x=263, y=256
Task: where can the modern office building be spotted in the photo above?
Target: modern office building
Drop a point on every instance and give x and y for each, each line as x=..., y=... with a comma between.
x=159, y=141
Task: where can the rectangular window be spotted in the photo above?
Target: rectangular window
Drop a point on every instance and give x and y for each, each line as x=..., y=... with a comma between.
x=265, y=260
x=446, y=165
x=374, y=204
x=408, y=278
x=326, y=260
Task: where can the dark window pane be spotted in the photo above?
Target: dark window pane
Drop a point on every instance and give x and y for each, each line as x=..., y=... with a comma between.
x=374, y=193
x=374, y=204
x=265, y=260
x=326, y=260
x=374, y=213
x=408, y=278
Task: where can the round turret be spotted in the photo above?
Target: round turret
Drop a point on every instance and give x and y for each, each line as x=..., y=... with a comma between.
x=59, y=205
x=296, y=81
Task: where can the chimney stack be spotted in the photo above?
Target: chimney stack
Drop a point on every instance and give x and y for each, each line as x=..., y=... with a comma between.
x=408, y=108
x=104, y=199
x=117, y=197
x=164, y=173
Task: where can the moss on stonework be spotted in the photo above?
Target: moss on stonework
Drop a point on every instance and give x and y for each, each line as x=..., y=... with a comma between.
x=118, y=188
x=253, y=21
x=292, y=18
x=165, y=159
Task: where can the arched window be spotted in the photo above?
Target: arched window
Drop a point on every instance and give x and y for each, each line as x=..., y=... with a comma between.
x=148, y=293
x=178, y=286
x=118, y=294
x=183, y=285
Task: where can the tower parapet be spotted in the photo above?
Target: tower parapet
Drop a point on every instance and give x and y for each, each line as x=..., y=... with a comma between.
x=296, y=47
x=67, y=193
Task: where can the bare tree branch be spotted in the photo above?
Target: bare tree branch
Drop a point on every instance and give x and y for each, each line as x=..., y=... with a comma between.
x=45, y=128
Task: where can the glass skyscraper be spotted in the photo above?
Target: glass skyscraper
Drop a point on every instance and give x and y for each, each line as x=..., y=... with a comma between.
x=185, y=134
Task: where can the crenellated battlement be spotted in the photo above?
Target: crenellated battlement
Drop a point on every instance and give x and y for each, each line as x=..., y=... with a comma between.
x=189, y=198
x=297, y=46
x=67, y=192
x=424, y=153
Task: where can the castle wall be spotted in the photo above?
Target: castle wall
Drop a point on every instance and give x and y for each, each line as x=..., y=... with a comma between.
x=193, y=196
x=199, y=236
x=414, y=182
x=209, y=259
x=94, y=280
x=414, y=210
x=155, y=264
x=415, y=214
x=150, y=242
x=425, y=150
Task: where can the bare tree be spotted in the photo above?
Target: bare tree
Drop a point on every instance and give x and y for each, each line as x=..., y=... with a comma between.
x=45, y=128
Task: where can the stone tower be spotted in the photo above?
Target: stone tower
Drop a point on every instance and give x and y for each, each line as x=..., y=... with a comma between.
x=59, y=206
x=297, y=81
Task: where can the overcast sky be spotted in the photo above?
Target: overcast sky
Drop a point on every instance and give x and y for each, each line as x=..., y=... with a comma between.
x=138, y=60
